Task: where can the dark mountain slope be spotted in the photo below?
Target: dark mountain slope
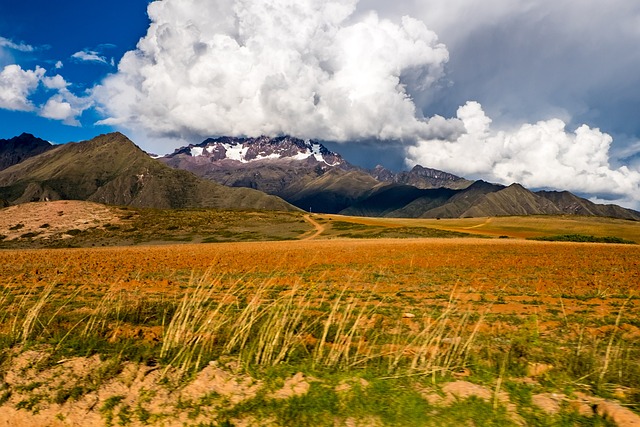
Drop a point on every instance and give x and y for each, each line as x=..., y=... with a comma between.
x=454, y=207
x=331, y=192
x=111, y=169
x=19, y=148
x=391, y=199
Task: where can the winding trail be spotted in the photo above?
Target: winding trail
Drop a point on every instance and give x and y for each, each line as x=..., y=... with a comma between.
x=488, y=221
x=318, y=227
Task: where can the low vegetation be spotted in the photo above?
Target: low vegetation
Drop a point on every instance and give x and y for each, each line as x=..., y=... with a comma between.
x=584, y=239
x=134, y=226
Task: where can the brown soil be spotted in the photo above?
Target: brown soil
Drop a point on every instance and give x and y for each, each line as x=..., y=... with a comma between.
x=52, y=218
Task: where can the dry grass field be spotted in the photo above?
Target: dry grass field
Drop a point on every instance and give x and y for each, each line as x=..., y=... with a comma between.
x=514, y=227
x=69, y=224
x=331, y=330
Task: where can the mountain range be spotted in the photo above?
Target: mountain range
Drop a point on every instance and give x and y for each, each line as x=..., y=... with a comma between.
x=111, y=169
x=261, y=173
x=309, y=176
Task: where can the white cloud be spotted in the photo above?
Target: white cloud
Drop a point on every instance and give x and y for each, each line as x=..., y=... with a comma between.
x=66, y=107
x=306, y=68
x=58, y=109
x=91, y=56
x=55, y=82
x=22, y=47
x=541, y=155
x=16, y=85
x=59, y=65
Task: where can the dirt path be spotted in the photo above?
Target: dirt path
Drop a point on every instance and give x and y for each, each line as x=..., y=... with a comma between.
x=318, y=227
x=488, y=221
x=476, y=229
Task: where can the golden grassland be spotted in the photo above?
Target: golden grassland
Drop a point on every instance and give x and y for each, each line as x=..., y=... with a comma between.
x=406, y=316
x=515, y=227
x=416, y=266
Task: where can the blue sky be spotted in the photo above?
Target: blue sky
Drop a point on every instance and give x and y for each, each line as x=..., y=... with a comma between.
x=545, y=92
x=55, y=31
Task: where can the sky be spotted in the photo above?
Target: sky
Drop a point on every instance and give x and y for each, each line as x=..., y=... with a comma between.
x=545, y=93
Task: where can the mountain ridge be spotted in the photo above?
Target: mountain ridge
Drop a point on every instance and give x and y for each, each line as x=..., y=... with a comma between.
x=303, y=172
x=19, y=148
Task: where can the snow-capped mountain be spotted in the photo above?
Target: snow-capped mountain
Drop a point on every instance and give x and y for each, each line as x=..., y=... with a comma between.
x=249, y=150
x=305, y=172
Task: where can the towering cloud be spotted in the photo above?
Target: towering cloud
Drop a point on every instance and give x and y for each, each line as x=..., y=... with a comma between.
x=307, y=68
x=336, y=70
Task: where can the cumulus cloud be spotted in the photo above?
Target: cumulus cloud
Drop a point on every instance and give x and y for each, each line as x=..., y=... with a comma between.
x=307, y=68
x=55, y=82
x=16, y=85
x=64, y=105
x=541, y=155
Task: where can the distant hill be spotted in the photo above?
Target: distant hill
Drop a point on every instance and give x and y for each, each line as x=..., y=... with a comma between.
x=452, y=204
x=391, y=199
x=113, y=170
x=571, y=204
x=481, y=199
x=19, y=148
x=421, y=177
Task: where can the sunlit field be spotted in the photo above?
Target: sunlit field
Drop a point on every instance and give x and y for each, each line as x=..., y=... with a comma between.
x=322, y=330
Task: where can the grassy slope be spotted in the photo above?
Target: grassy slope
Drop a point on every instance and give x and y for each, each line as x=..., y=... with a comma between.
x=133, y=226
x=111, y=169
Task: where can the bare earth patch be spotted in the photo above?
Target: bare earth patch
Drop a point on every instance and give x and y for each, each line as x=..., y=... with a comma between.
x=47, y=219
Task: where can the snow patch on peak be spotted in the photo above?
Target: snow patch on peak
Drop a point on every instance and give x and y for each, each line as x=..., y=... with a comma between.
x=271, y=156
x=236, y=152
x=250, y=150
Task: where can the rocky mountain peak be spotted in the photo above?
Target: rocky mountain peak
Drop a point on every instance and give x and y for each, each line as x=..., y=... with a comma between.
x=249, y=150
x=420, y=177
